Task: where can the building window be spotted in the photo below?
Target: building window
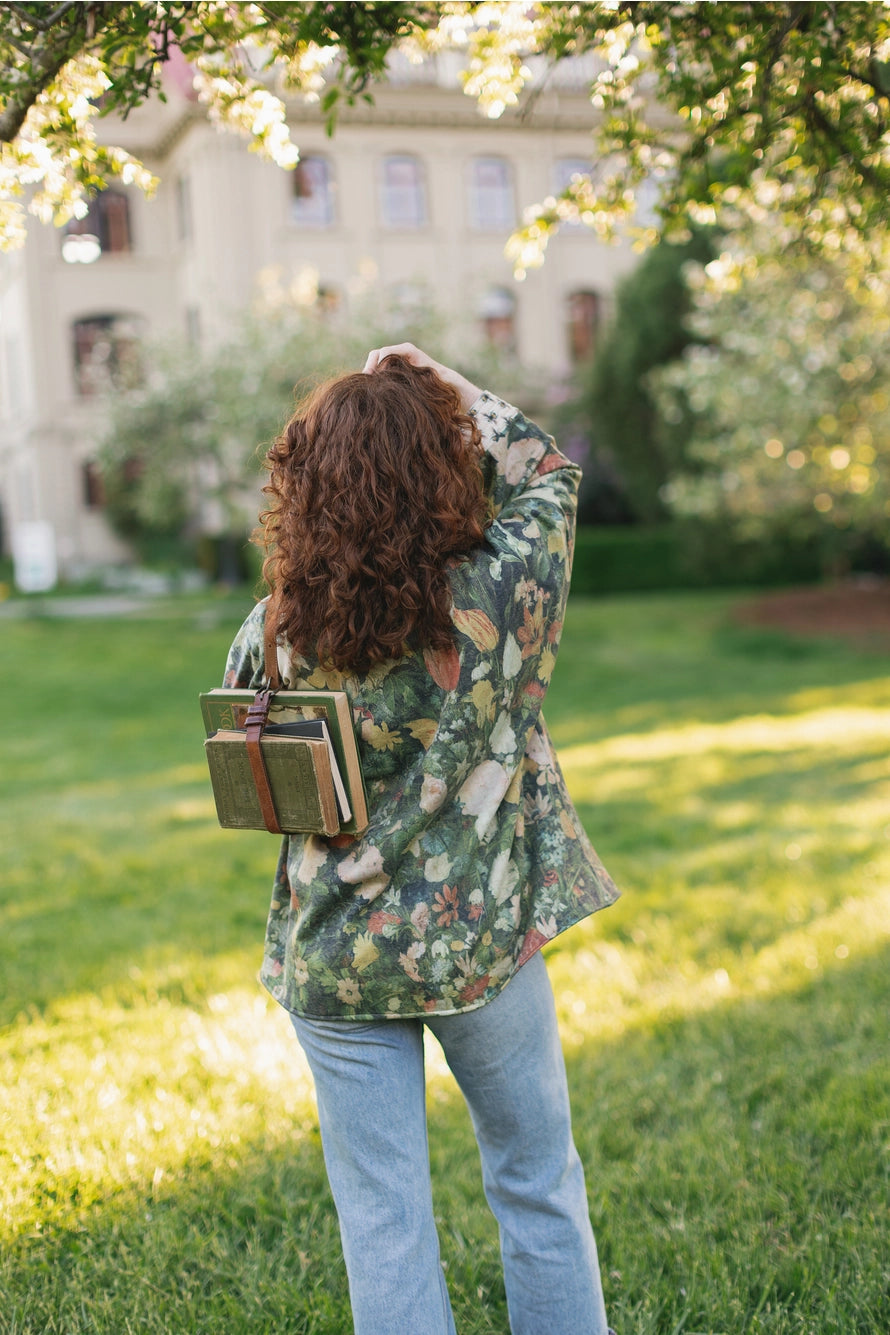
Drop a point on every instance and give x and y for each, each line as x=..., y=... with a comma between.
x=104, y=229
x=106, y=352
x=183, y=194
x=497, y=314
x=563, y=171
x=582, y=323
x=93, y=485
x=403, y=192
x=312, y=204
x=492, y=207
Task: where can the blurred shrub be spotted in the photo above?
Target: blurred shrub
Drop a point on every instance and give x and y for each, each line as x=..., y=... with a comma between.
x=181, y=457
x=787, y=392
x=691, y=555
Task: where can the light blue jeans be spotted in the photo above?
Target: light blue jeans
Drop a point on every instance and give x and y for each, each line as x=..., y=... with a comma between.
x=507, y=1059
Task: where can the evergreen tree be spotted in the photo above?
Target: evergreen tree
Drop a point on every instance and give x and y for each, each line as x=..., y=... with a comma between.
x=649, y=329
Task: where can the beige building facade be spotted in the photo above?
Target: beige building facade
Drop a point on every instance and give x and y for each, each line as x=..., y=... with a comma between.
x=413, y=196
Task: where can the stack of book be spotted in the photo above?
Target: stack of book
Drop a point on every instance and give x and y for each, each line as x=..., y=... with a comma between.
x=310, y=756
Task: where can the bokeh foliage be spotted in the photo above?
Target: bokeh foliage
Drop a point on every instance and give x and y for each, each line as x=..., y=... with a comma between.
x=182, y=451
x=788, y=383
x=715, y=104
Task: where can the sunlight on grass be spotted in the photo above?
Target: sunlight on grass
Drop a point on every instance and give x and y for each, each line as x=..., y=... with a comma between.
x=606, y=992
x=687, y=778
x=115, y=1095
x=723, y=1022
x=822, y=729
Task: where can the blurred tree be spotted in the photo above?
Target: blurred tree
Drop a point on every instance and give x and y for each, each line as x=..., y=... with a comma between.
x=758, y=105
x=649, y=329
x=181, y=453
x=790, y=390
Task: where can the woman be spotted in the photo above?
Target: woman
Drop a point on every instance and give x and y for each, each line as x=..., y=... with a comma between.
x=419, y=535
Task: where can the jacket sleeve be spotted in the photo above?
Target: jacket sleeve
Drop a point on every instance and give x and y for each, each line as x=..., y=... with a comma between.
x=509, y=604
x=245, y=665
x=509, y=601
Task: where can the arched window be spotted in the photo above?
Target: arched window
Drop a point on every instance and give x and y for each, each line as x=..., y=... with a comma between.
x=497, y=314
x=103, y=230
x=582, y=324
x=403, y=191
x=491, y=202
x=312, y=203
x=106, y=351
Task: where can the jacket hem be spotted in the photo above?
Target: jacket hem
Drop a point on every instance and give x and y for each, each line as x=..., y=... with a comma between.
x=365, y=1016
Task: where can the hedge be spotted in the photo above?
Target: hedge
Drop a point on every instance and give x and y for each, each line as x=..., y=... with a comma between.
x=675, y=556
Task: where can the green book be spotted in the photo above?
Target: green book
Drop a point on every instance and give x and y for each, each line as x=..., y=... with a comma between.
x=226, y=711
x=299, y=771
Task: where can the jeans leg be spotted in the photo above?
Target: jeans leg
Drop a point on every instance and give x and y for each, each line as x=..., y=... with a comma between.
x=508, y=1061
x=370, y=1087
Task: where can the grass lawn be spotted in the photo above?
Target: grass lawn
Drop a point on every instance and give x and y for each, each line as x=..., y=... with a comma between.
x=725, y=1024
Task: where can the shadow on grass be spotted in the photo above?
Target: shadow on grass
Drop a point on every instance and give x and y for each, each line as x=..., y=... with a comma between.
x=110, y=842
x=737, y=1175
x=719, y=829
x=642, y=664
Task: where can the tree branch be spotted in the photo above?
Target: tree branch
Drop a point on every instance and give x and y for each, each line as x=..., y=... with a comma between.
x=45, y=65
x=818, y=119
x=774, y=51
x=53, y=46
x=42, y=25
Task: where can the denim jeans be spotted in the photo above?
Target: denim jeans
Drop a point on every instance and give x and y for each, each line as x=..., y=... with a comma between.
x=507, y=1060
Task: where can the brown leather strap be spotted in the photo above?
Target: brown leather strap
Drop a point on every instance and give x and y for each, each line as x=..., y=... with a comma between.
x=257, y=715
x=270, y=645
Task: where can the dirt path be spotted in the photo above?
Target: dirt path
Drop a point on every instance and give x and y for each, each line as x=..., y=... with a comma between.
x=857, y=609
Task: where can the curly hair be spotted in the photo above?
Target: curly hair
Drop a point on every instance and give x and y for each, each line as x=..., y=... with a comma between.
x=375, y=490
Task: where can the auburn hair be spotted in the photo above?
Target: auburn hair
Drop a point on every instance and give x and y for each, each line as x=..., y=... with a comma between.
x=375, y=490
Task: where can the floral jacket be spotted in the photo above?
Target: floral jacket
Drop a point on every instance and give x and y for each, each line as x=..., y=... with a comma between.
x=474, y=856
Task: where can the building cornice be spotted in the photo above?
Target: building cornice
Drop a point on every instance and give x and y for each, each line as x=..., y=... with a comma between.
x=419, y=105
x=432, y=107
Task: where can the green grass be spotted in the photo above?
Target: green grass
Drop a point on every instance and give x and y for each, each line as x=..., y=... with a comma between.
x=725, y=1024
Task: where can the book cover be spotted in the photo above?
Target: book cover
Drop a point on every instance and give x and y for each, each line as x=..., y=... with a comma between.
x=316, y=727
x=299, y=771
x=226, y=710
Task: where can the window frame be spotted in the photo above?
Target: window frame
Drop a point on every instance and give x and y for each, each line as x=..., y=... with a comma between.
x=89, y=381
x=499, y=327
x=582, y=349
x=480, y=216
x=420, y=216
x=328, y=194
x=109, y=220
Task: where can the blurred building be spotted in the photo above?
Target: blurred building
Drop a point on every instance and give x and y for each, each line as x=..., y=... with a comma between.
x=416, y=193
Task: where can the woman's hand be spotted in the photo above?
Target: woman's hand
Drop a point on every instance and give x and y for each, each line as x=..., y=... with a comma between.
x=468, y=392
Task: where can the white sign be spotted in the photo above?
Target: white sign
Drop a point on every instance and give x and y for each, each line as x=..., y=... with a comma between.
x=34, y=556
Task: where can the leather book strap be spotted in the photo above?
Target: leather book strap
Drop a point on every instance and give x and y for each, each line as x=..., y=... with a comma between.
x=257, y=716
